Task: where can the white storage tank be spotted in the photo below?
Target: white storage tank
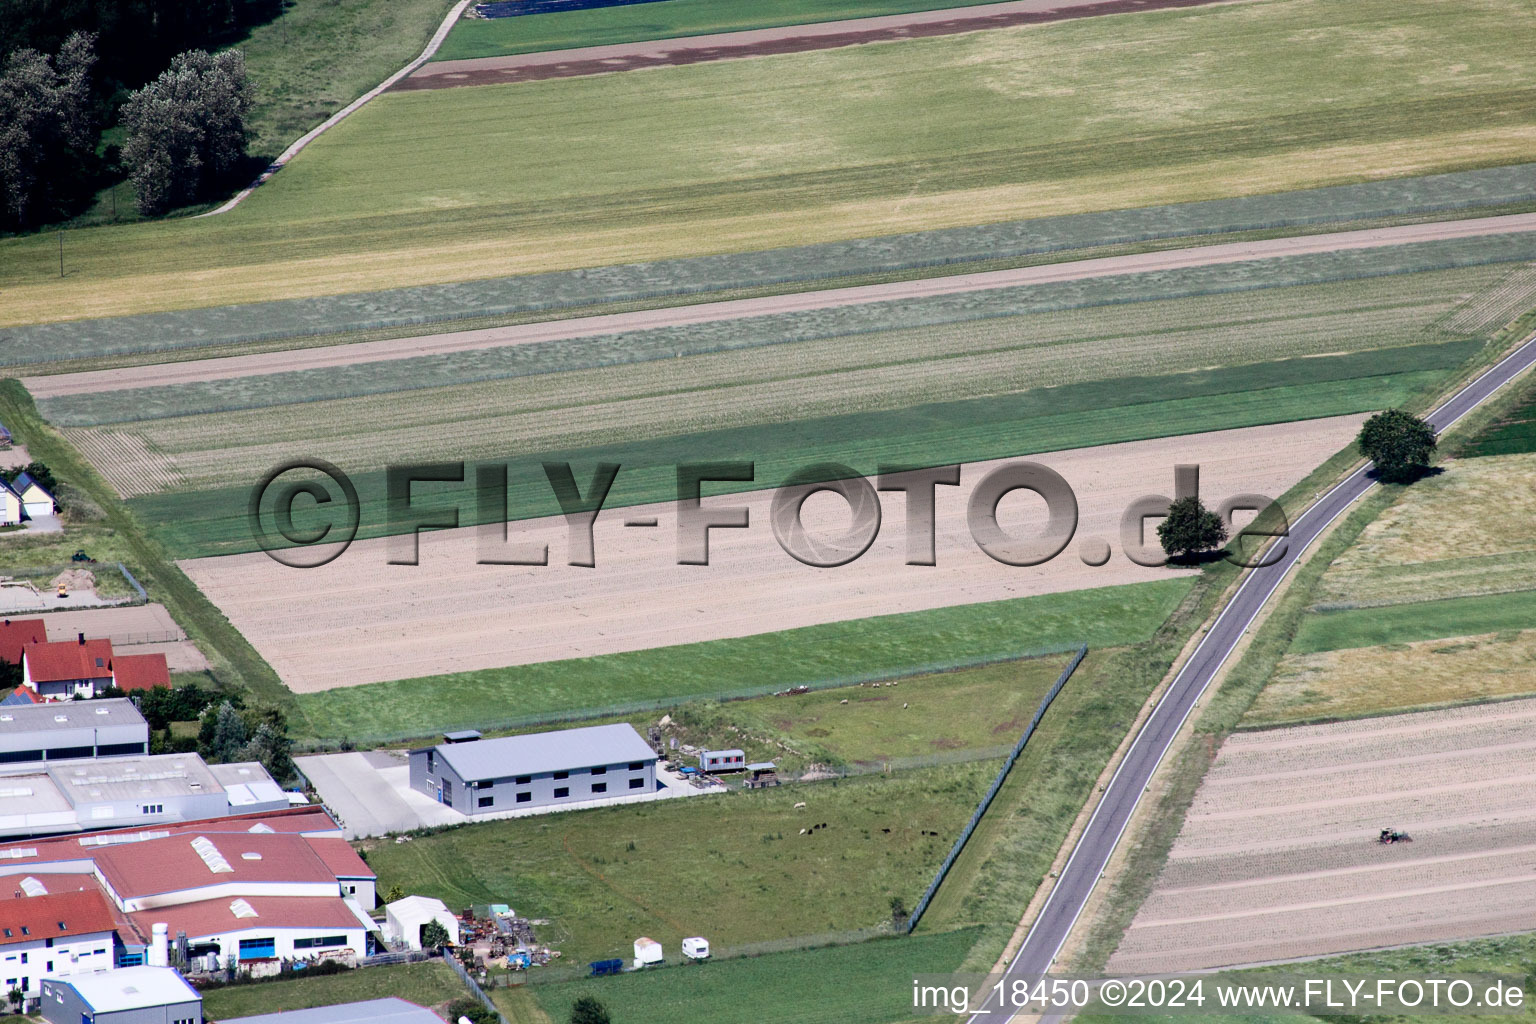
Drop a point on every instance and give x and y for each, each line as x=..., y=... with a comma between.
x=696, y=948
x=647, y=952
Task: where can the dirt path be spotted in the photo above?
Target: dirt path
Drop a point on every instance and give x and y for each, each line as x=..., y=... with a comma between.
x=228, y=367
x=654, y=53
x=361, y=620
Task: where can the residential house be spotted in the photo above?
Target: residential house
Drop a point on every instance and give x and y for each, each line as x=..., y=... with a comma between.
x=10, y=505
x=63, y=670
x=53, y=926
x=36, y=500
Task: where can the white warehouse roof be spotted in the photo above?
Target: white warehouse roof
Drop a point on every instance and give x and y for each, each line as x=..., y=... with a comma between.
x=372, y=1011
x=546, y=752
x=131, y=988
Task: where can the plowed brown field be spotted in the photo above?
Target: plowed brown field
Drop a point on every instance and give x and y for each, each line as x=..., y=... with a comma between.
x=361, y=620
x=1278, y=857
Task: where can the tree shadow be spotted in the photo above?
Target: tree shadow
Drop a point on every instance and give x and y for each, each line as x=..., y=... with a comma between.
x=1195, y=559
x=1411, y=476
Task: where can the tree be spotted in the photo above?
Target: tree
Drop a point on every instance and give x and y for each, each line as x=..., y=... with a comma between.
x=899, y=911
x=1190, y=528
x=47, y=130
x=395, y=893
x=15, y=997
x=433, y=935
x=186, y=129
x=588, y=1010
x=37, y=471
x=466, y=1006
x=229, y=732
x=1399, y=443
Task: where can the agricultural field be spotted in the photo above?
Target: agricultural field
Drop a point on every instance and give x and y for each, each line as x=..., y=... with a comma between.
x=737, y=867
x=1278, y=855
x=667, y=19
x=840, y=653
x=855, y=388
x=1430, y=606
x=360, y=619
x=739, y=155
x=1508, y=954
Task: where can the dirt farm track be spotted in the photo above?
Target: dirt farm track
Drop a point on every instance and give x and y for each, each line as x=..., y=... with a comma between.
x=362, y=620
x=1278, y=857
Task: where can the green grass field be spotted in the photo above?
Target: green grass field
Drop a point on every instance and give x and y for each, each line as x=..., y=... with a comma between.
x=1419, y=620
x=733, y=867
x=869, y=983
x=426, y=984
x=1513, y=434
x=1510, y=955
x=738, y=155
x=882, y=647
x=950, y=713
x=534, y=33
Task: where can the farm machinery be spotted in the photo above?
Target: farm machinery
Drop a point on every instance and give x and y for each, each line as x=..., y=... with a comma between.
x=1391, y=836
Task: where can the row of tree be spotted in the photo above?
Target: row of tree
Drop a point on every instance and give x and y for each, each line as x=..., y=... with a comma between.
x=185, y=133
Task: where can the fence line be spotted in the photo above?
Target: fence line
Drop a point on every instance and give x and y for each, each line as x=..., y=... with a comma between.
x=663, y=703
x=143, y=596
x=997, y=784
x=474, y=989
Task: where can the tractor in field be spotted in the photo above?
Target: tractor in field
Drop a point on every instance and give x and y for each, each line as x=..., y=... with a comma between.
x=1389, y=836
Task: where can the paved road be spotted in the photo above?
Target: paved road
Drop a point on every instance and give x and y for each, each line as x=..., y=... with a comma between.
x=762, y=42
x=157, y=374
x=1124, y=791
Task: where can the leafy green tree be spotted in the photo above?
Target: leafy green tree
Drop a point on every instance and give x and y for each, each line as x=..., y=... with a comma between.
x=186, y=130
x=588, y=1010
x=466, y=1006
x=433, y=935
x=1399, y=443
x=47, y=130
x=899, y=911
x=395, y=893
x=1190, y=528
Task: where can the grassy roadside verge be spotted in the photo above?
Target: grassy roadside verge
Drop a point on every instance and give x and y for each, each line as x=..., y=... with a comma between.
x=234, y=662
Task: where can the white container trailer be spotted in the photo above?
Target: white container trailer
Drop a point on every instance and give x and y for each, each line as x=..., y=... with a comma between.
x=696, y=948
x=647, y=952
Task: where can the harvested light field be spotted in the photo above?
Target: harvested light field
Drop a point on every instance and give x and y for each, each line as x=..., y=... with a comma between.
x=1278, y=856
x=740, y=155
x=1469, y=530
x=1370, y=680
x=360, y=620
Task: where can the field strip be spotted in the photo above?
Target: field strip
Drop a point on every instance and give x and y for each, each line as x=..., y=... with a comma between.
x=1452, y=858
x=1386, y=727
x=1418, y=759
x=827, y=35
x=1523, y=878
x=359, y=619
x=229, y=367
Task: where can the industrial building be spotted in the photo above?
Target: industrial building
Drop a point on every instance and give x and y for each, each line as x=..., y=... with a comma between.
x=133, y=995
x=370, y=1011
x=480, y=776
x=253, y=887
x=37, y=734
x=81, y=795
